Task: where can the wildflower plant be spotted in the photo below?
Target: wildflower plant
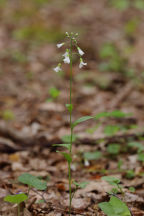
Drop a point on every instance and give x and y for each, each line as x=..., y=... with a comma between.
x=67, y=58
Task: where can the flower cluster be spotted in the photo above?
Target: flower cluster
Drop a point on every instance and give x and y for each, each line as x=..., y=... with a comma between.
x=66, y=55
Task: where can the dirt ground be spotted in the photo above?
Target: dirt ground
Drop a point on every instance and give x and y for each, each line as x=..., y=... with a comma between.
x=32, y=118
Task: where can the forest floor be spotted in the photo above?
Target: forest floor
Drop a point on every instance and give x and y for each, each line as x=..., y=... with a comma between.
x=33, y=97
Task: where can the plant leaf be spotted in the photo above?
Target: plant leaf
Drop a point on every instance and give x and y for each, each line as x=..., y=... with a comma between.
x=32, y=181
x=69, y=107
x=67, y=156
x=81, y=185
x=80, y=120
x=63, y=145
x=17, y=198
x=111, y=180
x=115, y=207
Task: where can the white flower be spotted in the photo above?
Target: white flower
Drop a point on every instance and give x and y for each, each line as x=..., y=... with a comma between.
x=66, y=57
x=80, y=51
x=60, y=45
x=82, y=63
x=58, y=68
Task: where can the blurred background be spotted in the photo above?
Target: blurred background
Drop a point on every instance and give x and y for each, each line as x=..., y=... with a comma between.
x=33, y=96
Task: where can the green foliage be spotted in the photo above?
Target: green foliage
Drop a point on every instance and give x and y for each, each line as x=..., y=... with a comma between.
x=69, y=107
x=130, y=174
x=139, y=4
x=141, y=157
x=67, y=138
x=17, y=198
x=136, y=145
x=131, y=26
x=18, y=56
x=120, y=4
x=111, y=130
x=112, y=59
x=80, y=120
x=32, y=181
x=115, y=207
x=114, y=114
x=92, y=129
x=54, y=92
x=38, y=33
x=132, y=189
x=8, y=115
x=67, y=156
x=111, y=180
x=113, y=149
x=63, y=145
x=92, y=155
x=80, y=185
x=120, y=163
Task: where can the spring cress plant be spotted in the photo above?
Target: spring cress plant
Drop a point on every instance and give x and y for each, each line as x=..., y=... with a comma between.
x=68, y=59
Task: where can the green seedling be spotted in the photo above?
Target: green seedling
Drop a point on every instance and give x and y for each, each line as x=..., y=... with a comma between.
x=115, y=207
x=132, y=189
x=32, y=181
x=113, y=149
x=136, y=145
x=130, y=174
x=114, y=182
x=54, y=92
x=141, y=157
x=111, y=130
x=8, y=115
x=119, y=165
x=16, y=199
x=120, y=4
x=131, y=26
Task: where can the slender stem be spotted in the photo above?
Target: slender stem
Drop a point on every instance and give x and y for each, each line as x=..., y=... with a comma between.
x=70, y=191
x=71, y=94
x=71, y=129
x=18, y=208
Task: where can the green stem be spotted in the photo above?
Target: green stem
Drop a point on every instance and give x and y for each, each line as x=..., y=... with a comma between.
x=71, y=136
x=70, y=191
x=18, y=209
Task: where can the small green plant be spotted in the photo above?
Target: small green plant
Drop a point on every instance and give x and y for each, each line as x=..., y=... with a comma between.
x=16, y=199
x=54, y=92
x=68, y=59
x=114, y=182
x=130, y=174
x=113, y=149
x=8, y=115
x=120, y=4
x=115, y=207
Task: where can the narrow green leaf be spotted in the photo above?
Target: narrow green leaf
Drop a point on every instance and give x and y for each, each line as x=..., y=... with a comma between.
x=67, y=156
x=17, y=198
x=63, y=145
x=32, y=181
x=80, y=120
x=81, y=185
